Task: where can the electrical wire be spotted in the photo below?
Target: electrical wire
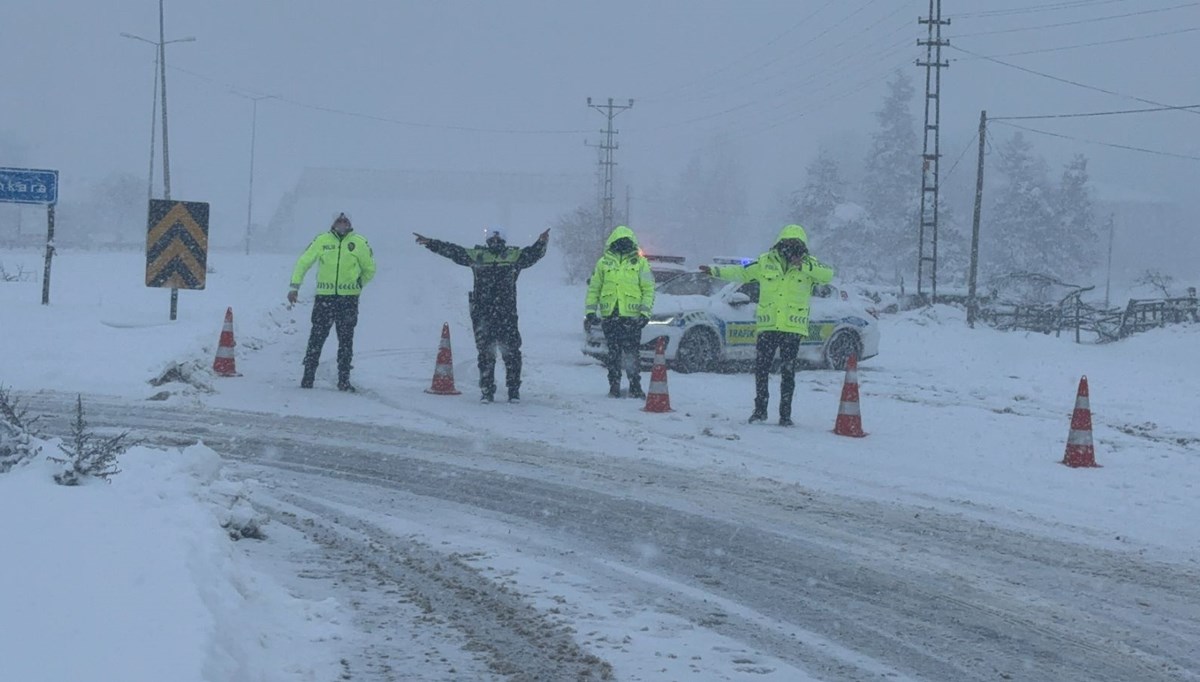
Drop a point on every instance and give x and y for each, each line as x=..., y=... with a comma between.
x=1078, y=21
x=1095, y=44
x=1034, y=8
x=745, y=56
x=383, y=119
x=1071, y=82
x=1094, y=113
x=961, y=154
x=1103, y=144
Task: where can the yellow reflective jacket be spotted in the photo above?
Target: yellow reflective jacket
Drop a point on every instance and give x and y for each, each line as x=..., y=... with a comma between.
x=621, y=284
x=784, y=290
x=346, y=264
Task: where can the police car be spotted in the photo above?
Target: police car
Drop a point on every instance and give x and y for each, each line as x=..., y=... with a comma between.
x=708, y=325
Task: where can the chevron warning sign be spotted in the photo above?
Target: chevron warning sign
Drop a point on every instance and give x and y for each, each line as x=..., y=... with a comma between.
x=177, y=244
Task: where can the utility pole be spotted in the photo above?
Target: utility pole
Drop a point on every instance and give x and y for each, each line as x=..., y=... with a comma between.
x=1112, y=229
x=253, y=134
x=927, y=231
x=610, y=111
x=972, y=300
x=162, y=43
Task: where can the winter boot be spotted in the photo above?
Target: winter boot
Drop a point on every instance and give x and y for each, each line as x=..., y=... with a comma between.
x=310, y=375
x=635, y=389
x=514, y=394
x=785, y=421
x=614, y=389
x=487, y=397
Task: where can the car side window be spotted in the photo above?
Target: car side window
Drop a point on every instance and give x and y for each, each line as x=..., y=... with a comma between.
x=751, y=290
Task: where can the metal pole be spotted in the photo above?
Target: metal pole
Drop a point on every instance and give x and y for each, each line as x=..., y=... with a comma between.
x=1112, y=228
x=972, y=300
x=162, y=56
x=49, y=254
x=250, y=193
x=153, y=130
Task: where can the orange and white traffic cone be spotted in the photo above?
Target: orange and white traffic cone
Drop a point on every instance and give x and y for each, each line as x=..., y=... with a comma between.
x=224, y=365
x=849, y=418
x=658, y=399
x=1080, y=452
x=443, y=372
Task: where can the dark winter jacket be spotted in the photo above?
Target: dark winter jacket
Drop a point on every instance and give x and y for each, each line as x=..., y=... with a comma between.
x=495, y=293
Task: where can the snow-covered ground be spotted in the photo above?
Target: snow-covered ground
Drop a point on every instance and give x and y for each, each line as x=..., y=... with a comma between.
x=138, y=580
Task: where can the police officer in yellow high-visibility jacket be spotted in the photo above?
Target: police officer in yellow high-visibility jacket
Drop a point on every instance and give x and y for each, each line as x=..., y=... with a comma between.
x=786, y=275
x=620, y=296
x=345, y=265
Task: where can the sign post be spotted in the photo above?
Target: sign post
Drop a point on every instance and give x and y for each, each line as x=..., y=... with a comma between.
x=176, y=246
x=32, y=186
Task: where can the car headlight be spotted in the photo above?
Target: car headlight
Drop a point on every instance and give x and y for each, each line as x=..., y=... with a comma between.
x=662, y=319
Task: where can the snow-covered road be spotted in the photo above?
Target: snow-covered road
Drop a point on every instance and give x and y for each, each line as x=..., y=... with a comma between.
x=797, y=579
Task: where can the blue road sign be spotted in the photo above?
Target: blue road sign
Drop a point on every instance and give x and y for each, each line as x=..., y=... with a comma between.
x=28, y=186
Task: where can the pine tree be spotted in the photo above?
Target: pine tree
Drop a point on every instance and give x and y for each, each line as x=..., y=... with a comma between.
x=17, y=433
x=580, y=236
x=711, y=198
x=813, y=206
x=89, y=455
x=1023, y=235
x=892, y=182
x=1076, y=221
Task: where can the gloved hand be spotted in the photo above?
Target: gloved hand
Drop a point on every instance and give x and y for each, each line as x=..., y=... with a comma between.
x=706, y=269
x=422, y=240
x=292, y=297
x=643, y=321
x=591, y=319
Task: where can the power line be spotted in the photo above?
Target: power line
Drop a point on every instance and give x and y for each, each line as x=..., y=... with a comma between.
x=1071, y=82
x=1034, y=8
x=746, y=78
x=385, y=119
x=1103, y=144
x=961, y=155
x=1078, y=21
x=745, y=56
x=1093, y=113
x=1094, y=44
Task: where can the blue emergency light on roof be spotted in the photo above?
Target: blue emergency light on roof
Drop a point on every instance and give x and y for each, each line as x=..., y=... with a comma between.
x=732, y=261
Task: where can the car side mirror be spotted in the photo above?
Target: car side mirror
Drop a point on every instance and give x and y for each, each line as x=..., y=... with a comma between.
x=738, y=298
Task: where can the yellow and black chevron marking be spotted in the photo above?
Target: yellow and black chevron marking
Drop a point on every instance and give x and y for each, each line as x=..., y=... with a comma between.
x=177, y=244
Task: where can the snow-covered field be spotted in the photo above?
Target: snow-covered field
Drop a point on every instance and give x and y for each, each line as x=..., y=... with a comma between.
x=137, y=580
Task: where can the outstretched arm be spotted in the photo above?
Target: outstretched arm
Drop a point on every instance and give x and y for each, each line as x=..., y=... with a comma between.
x=533, y=253
x=454, y=252
x=818, y=271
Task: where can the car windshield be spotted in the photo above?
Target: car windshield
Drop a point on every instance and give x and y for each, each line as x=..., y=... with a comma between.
x=692, y=284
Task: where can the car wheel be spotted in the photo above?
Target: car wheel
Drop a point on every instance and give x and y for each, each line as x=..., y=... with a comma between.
x=840, y=347
x=697, y=352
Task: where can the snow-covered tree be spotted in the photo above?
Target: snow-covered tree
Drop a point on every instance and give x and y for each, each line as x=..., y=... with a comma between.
x=17, y=434
x=580, y=234
x=1076, y=220
x=1023, y=234
x=711, y=198
x=892, y=183
x=89, y=455
x=823, y=191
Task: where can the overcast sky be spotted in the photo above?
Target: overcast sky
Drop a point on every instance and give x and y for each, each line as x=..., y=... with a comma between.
x=457, y=78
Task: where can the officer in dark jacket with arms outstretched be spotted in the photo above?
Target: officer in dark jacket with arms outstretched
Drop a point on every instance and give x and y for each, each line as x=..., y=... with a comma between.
x=493, y=302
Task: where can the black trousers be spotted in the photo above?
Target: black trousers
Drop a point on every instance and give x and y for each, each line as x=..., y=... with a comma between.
x=332, y=311
x=623, y=336
x=788, y=345
x=497, y=332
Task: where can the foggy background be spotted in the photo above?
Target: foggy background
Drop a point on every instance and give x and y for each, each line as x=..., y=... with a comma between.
x=450, y=117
